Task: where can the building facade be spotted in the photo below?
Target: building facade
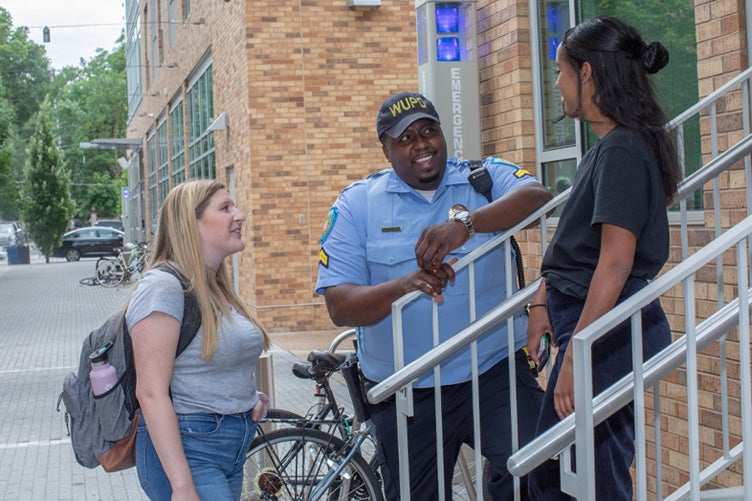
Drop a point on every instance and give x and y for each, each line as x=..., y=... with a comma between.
x=278, y=100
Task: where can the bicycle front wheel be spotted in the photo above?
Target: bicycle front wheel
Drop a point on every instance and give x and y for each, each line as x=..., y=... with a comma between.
x=109, y=272
x=290, y=463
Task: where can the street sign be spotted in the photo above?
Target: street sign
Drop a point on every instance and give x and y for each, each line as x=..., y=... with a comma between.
x=126, y=193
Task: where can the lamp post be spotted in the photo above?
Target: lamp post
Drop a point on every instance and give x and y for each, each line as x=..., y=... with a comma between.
x=448, y=71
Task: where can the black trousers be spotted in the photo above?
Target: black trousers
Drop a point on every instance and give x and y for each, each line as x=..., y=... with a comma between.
x=456, y=401
x=612, y=358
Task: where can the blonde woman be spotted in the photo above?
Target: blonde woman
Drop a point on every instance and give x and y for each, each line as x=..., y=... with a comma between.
x=199, y=410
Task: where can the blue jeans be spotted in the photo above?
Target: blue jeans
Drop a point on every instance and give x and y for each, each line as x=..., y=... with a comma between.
x=215, y=446
x=612, y=359
x=457, y=418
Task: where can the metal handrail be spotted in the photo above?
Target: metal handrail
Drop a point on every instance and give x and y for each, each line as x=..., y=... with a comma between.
x=714, y=167
x=435, y=356
x=710, y=98
x=563, y=434
x=410, y=372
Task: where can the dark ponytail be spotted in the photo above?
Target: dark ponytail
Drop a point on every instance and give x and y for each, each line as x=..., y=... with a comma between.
x=621, y=62
x=654, y=57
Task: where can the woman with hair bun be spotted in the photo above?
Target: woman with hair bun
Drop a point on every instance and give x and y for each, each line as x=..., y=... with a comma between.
x=612, y=237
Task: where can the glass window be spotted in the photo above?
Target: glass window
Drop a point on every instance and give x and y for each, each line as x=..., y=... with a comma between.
x=200, y=111
x=163, y=177
x=133, y=56
x=152, y=180
x=172, y=21
x=553, y=22
x=676, y=84
x=558, y=177
x=87, y=234
x=177, y=143
x=156, y=50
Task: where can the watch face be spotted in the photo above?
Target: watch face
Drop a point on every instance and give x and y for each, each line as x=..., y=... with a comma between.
x=456, y=208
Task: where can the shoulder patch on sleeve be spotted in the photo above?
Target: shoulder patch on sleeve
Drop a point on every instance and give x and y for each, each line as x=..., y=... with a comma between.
x=522, y=172
x=323, y=258
x=519, y=172
x=331, y=218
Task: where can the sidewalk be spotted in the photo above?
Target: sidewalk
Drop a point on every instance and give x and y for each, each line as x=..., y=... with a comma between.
x=44, y=315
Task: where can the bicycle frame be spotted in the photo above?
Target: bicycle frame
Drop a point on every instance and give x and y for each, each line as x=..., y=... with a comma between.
x=326, y=414
x=322, y=487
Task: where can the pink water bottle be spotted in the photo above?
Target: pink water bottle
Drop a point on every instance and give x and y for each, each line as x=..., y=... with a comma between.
x=103, y=375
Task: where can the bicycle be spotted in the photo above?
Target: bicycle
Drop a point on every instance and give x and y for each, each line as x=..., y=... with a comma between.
x=131, y=259
x=306, y=459
x=274, y=467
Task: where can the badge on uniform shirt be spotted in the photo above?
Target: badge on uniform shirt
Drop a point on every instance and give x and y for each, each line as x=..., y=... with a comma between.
x=522, y=172
x=329, y=224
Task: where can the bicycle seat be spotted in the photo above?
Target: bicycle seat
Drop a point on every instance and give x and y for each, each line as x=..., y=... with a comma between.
x=320, y=364
x=326, y=360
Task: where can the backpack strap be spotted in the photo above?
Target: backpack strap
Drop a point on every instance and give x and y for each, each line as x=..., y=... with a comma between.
x=188, y=330
x=191, y=312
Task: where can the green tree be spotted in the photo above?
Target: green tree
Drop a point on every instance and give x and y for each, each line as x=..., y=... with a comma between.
x=92, y=104
x=24, y=67
x=45, y=194
x=25, y=76
x=8, y=175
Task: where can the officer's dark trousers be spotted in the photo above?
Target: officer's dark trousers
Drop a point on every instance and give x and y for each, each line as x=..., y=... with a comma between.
x=612, y=357
x=458, y=429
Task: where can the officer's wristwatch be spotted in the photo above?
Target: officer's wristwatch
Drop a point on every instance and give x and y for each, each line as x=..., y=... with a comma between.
x=459, y=212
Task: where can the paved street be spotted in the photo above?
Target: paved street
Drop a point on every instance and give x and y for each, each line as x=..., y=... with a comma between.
x=44, y=315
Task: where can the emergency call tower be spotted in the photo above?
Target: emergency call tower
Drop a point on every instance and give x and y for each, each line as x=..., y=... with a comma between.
x=448, y=71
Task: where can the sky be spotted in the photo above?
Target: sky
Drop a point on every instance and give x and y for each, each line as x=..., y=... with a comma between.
x=77, y=27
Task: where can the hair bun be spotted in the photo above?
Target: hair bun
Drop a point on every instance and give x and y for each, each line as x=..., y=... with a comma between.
x=654, y=58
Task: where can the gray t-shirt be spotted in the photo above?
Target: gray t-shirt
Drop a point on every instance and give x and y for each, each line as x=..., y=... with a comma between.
x=226, y=383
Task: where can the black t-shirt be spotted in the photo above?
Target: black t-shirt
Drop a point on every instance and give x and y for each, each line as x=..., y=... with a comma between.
x=618, y=182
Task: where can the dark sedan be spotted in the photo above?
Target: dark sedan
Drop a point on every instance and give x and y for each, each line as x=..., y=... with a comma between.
x=91, y=241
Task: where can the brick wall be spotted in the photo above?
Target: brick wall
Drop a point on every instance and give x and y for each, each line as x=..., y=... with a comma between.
x=302, y=83
x=318, y=73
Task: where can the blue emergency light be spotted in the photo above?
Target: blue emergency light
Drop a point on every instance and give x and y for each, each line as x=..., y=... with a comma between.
x=447, y=18
x=448, y=70
x=448, y=49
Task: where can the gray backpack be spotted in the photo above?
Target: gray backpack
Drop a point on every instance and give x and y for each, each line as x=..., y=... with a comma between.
x=103, y=428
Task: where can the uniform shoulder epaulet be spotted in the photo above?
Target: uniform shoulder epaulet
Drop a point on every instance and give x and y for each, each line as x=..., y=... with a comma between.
x=499, y=163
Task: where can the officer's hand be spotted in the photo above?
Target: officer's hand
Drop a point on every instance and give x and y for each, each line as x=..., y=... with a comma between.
x=430, y=283
x=436, y=242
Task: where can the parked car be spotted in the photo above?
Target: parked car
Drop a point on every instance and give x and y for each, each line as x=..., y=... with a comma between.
x=11, y=234
x=110, y=223
x=90, y=241
x=75, y=224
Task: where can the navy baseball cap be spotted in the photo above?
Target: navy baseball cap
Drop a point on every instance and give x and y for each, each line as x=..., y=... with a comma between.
x=401, y=110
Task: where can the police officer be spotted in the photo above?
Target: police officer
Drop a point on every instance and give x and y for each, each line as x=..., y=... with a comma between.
x=391, y=234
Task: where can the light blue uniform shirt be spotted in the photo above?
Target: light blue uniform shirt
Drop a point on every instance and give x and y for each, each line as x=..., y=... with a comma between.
x=370, y=238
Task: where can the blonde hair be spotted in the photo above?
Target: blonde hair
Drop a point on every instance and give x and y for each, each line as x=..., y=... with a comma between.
x=178, y=241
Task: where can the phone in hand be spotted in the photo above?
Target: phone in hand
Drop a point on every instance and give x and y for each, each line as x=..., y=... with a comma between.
x=544, y=350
